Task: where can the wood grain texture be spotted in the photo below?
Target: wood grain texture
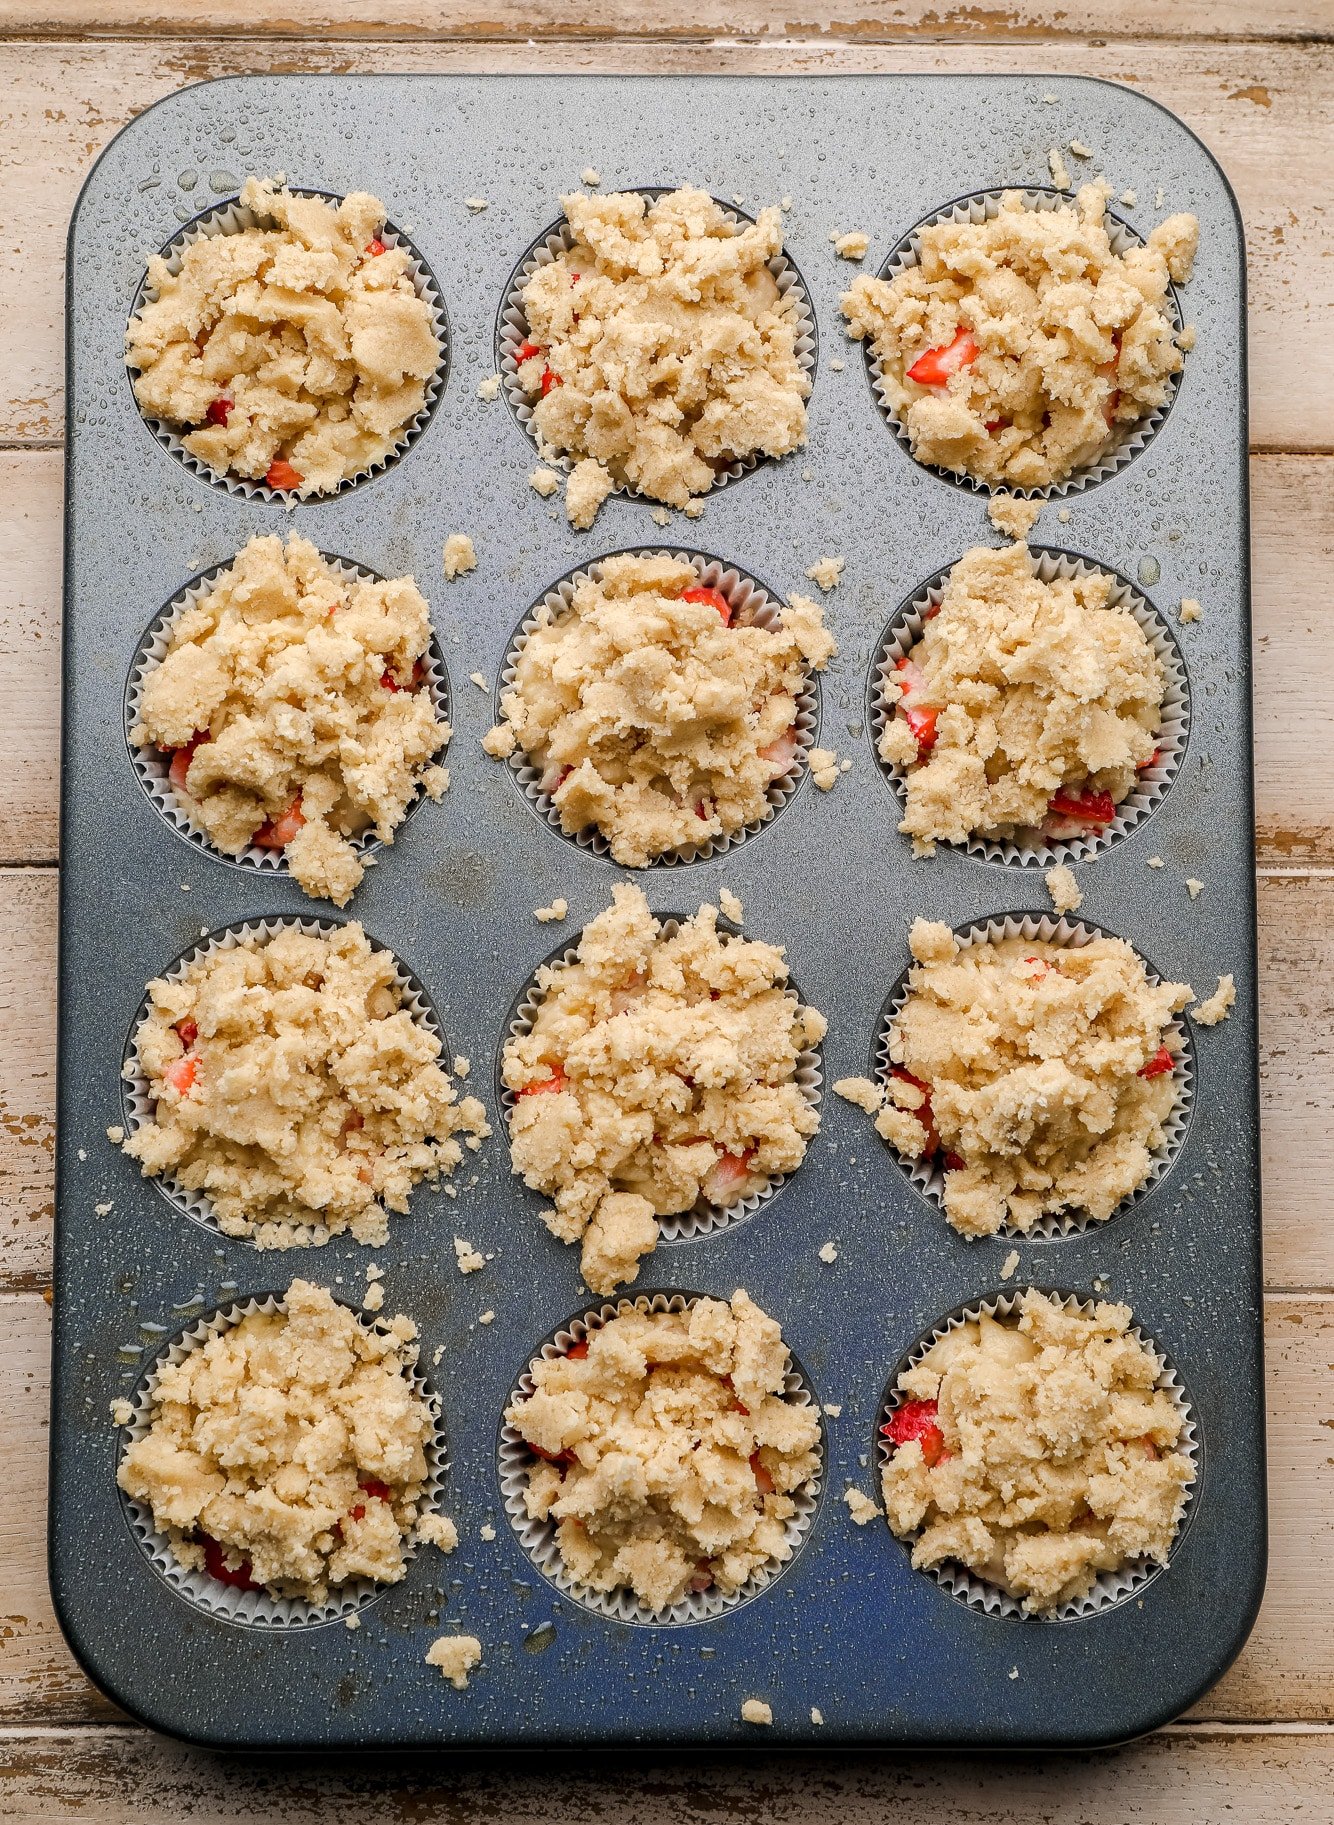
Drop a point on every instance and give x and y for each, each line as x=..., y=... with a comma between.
x=1265, y=109
x=1286, y=1669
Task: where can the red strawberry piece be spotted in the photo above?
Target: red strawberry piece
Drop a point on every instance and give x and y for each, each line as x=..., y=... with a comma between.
x=1085, y=807
x=527, y=351
x=550, y=380
x=277, y=833
x=381, y=1491
x=217, y=412
x=934, y=368
x=916, y=1419
x=713, y=596
x=548, y=1085
x=188, y=1032
x=239, y=1577
x=923, y=1114
x=763, y=1480
x=283, y=476
x=375, y=247
x=181, y=758
x=1161, y=1062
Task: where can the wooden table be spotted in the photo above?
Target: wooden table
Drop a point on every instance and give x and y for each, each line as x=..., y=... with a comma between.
x=1257, y=83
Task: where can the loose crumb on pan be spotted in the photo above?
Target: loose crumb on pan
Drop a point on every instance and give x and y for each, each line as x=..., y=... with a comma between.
x=825, y=768
x=852, y=245
x=860, y=1506
x=467, y=1257
x=862, y=1093
x=476, y=204
x=826, y=572
x=290, y=704
x=661, y=516
x=1079, y=150
x=1218, y=1006
x=459, y=555
x=486, y=1532
x=352, y=1622
x=755, y=1711
x=1037, y=1451
x=478, y=679
x=553, y=914
x=1012, y=515
x=439, y=1531
x=1194, y=888
x=833, y=1409
x=829, y=1254
x=730, y=906
x=456, y=1656
x=115, y=1134
x=1190, y=609
x=1063, y=515
x=590, y=176
x=295, y=353
x=500, y=742
x=1154, y=861
x=837, y=365
x=489, y=388
x=1064, y=889
x=817, y=1715
x=288, y=1450
x=292, y=1087
x=659, y=348
x=1060, y=175
x=1129, y=198
x=373, y=1298
x=667, y=1453
x=710, y=1114
x=122, y=1411
x=544, y=481
x=1010, y=1265
x=487, y=1317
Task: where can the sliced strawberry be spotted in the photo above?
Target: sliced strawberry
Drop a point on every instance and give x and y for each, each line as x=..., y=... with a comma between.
x=217, y=412
x=727, y=1175
x=390, y=683
x=551, y=1457
x=241, y=1577
x=713, y=596
x=554, y=778
x=187, y=1031
x=356, y=1514
x=527, y=351
x=1161, y=1062
x=577, y=1351
x=954, y=1162
x=781, y=752
x=703, y=1578
x=375, y=247
x=181, y=1073
x=916, y=1419
x=277, y=833
x=283, y=476
x=763, y=1480
x=997, y=424
x=1152, y=761
x=547, y=1085
x=181, y=758
x=1085, y=807
x=381, y=1491
x=923, y=1114
x=934, y=368
x=921, y=718
x=550, y=380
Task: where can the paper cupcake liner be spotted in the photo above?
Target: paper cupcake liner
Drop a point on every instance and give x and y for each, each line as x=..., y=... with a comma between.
x=929, y=1176
x=984, y=205
x=138, y=1101
x=512, y=330
x=1109, y=1588
x=538, y=1538
x=231, y=218
x=704, y=1219
x=749, y=599
x=905, y=629
x=260, y=1609
x=152, y=766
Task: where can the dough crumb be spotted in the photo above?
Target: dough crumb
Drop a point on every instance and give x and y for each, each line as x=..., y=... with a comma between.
x=500, y=742
x=373, y=1298
x=1218, y=1006
x=590, y=177
x=462, y=1066
x=825, y=770
x=1129, y=198
x=1080, y=150
x=456, y=1656
x=861, y=1092
x=1060, y=176
x=588, y=486
x=122, y=1411
x=829, y=1254
x=730, y=906
x=469, y=1261
x=853, y=245
x=477, y=679
x=489, y=388
x=352, y=1622
x=1190, y=609
x=1194, y=888
x=661, y=516
x=1012, y=515
x=439, y=1531
x=486, y=1318
x=553, y=914
x=826, y=572
x=1158, y=197
x=1063, y=515
x=116, y=1135
x=103, y=1210
x=1064, y=889
x=486, y=1532
x=755, y=1711
x=860, y=1506
x=817, y=1715
x=1009, y=1266
x=1154, y=861
x=833, y=1408
x=693, y=510
x=476, y=203
x=460, y=556
x=785, y=203
x=544, y=481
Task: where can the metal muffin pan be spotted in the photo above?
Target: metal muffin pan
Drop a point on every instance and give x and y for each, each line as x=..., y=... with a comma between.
x=885, y=1654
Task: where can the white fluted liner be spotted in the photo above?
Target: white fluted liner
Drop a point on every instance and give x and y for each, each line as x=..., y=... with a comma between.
x=751, y=604
x=905, y=630
x=984, y=206
x=928, y=1175
x=705, y=1218
x=512, y=330
x=153, y=768
x=1109, y=1588
x=538, y=1538
x=138, y=1101
x=231, y=218
x=261, y=1609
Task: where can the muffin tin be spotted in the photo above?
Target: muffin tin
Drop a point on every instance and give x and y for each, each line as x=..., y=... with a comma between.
x=885, y=1655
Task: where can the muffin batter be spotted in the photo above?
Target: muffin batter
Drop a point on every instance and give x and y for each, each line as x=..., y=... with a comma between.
x=287, y=1452
x=1021, y=348
x=295, y=354
x=291, y=706
x=659, y=1071
x=1037, y=1452
x=668, y=1451
x=658, y=349
x=293, y=1088
x=652, y=712
x=1041, y=1074
x=1025, y=710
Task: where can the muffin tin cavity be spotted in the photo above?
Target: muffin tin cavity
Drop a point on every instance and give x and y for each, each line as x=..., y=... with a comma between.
x=704, y=1219
x=1110, y=1588
x=137, y=1101
x=512, y=330
x=152, y=767
x=980, y=206
x=927, y=1174
x=231, y=217
x=752, y=602
x=904, y=628
x=538, y=1538
x=230, y=1603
